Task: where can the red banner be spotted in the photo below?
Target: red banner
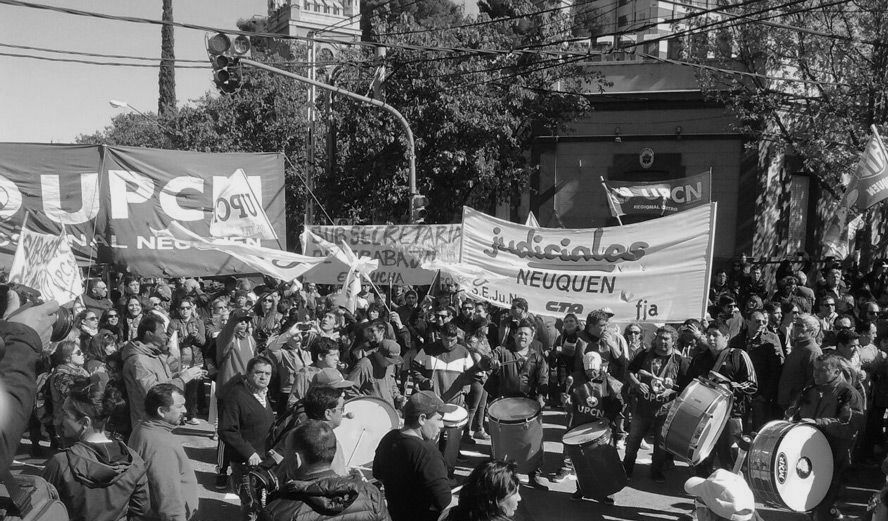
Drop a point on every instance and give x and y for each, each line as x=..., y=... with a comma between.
x=110, y=199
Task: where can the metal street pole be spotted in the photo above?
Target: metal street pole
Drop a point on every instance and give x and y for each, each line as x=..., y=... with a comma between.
x=411, y=151
x=309, y=171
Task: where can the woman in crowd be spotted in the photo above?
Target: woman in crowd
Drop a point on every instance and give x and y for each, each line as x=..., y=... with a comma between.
x=192, y=338
x=491, y=493
x=267, y=320
x=99, y=352
x=111, y=322
x=68, y=361
x=561, y=359
x=481, y=352
x=133, y=317
x=98, y=478
x=634, y=336
x=87, y=323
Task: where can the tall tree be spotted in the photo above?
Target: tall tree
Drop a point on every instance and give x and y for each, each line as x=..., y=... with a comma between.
x=166, y=101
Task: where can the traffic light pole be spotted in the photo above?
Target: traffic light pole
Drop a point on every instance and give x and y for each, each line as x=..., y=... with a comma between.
x=411, y=150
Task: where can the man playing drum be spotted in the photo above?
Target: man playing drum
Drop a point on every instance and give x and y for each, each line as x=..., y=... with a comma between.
x=591, y=395
x=834, y=406
x=520, y=370
x=653, y=375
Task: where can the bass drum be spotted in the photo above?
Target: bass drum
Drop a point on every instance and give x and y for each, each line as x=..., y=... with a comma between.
x=596, y=461
x=696, y=419
x=790, y=465
x=365, y=420
x=516, y=432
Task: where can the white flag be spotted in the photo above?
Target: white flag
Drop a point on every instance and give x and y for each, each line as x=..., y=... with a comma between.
x=531, y=220
x=237, y=212
x=279, y=264
x=46, y=263
x=359, y=267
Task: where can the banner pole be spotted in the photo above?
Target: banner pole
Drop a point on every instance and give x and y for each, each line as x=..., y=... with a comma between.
x=710, y=184
x=713, y=213
x=610, y=203
x=264, y=214
x=381, y=297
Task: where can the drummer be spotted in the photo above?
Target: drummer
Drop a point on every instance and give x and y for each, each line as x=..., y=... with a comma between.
x=520, y=370
x=592, y=395
x=835, y=407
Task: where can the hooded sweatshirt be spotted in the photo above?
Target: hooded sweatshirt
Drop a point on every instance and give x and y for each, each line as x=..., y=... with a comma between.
x=100, y=481
x=329, y=497
x=144, y=366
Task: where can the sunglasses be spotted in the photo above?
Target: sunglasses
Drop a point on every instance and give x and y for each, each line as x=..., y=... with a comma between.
x=91, y=318
x=114, y=315
x=634, y=332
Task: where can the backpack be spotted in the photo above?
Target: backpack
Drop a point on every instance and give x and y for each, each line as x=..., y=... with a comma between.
x=30, y=498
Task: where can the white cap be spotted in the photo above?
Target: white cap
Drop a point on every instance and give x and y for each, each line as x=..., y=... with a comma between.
x=591, y=360
x=724, y=493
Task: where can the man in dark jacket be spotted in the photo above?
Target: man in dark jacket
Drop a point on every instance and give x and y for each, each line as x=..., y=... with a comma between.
x=96, y=298
x=245, y=422
x=315, y=492
x=798, y=369
x=763, y=348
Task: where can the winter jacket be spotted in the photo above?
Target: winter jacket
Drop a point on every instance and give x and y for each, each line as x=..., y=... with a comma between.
x=326, y=496
x=232, y=353
x=171, y=479
x=60, y=385
x=836, y=409
x=100, y=481
x=18, y=367
x=244, y=423
x=798, y=371
x=144, y=366
x=445, y=372
x=192, y=337
x=528, y=377
x=374, y=378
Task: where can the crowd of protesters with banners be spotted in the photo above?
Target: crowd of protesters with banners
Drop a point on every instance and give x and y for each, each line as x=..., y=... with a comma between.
x=147, y=355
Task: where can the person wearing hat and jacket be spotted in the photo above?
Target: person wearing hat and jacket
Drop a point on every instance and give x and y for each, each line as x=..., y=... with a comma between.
x=409, y=464
x=374, y=375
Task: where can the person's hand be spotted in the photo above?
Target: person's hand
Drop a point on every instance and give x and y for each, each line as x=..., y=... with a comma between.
x=39, y=318
x=396, y=321
x=254, y=460
x=192, y=373
x=542, y=401
x=644, y=389
x=565, y=399
x=495, y=364
x=356, y=474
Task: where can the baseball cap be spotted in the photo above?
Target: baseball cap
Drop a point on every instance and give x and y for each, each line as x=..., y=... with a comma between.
x=608, y=311
x=390, y=352
x=428, y=403
x=329, y=377
x=724, y=493
x=591, y=361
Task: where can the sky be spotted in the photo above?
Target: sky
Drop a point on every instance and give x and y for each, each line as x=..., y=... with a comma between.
x=54, y=102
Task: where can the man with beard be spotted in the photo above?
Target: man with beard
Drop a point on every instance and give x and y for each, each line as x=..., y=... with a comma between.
x=592, y=394
x=798, y=369
x=244, y=425
x=172, y=485
x=834, y=406
x=763, y=348
x=146, y=364
x=96, y=299
x=511, y=320
x=653, y=375
x=520, y=369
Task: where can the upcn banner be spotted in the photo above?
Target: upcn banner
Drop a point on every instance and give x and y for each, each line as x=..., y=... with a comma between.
x=110, y=198
x=656, y=271
x=659, y=198
x=400, y=249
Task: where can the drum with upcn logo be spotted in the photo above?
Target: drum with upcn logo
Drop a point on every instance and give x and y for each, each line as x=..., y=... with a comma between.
x=696, y=419
x=451, y=435
x=516, y=432
x=596, y=461
x=365, y=421
x=790, y=465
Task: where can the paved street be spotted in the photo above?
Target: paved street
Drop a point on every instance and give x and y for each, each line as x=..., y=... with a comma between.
x=642, y=499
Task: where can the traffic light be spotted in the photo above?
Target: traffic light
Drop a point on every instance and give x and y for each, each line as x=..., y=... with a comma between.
x=225, y=59
x=418, y=210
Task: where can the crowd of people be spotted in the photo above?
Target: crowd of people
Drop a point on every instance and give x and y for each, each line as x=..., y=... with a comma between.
x=270, y=366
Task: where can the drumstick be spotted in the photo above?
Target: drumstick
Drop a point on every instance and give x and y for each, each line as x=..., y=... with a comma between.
x=652, y=375
x=354, y=450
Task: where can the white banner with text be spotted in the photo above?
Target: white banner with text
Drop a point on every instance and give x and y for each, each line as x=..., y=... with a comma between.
x=655, y=271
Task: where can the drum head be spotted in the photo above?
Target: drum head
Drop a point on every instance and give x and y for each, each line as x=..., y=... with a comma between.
x=803, y=467
x=457, y=417
x=712, y=430
x=372, y=418
x=513, y=410
x=586, y=433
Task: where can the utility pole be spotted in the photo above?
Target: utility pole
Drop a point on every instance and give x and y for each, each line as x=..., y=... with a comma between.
x=312, y=115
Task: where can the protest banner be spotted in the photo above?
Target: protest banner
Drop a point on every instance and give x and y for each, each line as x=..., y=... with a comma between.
x=44, y=261
x=658, y=198
x=109, y=199
x=238, y=213
x=656, y=271
x=400, y=249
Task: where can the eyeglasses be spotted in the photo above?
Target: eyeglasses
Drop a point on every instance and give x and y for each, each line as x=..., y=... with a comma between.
x=268, y=301
x=91, y=318
x=442, y=317
x=184, y=307
x=634, y=332
x=829, y=304
x=113, y=315
x=78, y=352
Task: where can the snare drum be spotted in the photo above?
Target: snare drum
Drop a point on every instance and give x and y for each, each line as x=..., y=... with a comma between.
x=516, y=432
x=361, y=431
x=790, y=465
x=451, y=435
x=696, y=420
x=597, y=463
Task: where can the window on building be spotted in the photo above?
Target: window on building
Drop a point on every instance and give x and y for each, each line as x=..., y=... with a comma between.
x=306, y=6
x=326, y=10
x=317, y=8
x=622, y=21
x=336, y=11
x=623, y=2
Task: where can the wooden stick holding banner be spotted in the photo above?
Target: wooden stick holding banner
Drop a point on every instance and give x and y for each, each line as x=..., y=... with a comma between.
x=610, y=202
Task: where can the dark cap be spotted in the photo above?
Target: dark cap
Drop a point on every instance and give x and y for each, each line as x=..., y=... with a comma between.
x=329, y=377
x=241, y=315
x=428, y=403
x=390, y=352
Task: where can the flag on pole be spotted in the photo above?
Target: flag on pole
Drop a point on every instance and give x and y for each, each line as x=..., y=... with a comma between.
x=866, y=187
x=359, y=268
x=45, y=262
x=237, y=212
x=279, y=264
